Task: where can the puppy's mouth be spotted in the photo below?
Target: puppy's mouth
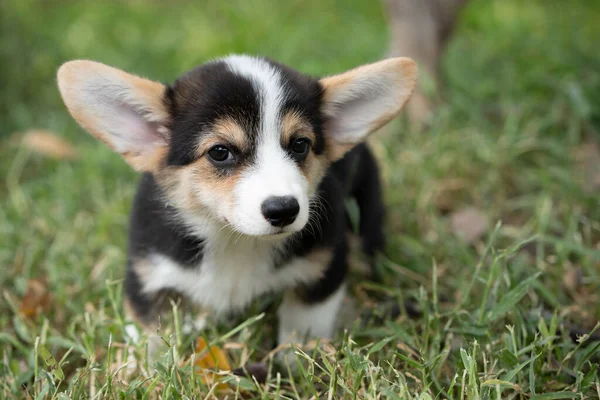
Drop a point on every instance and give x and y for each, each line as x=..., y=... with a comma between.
x=277, y=233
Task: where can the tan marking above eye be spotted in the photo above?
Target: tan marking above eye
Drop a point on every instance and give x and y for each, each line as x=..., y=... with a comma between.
x=295, y=125
x=225, y=131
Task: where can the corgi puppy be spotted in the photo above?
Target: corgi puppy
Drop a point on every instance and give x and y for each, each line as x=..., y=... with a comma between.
x=246, y=164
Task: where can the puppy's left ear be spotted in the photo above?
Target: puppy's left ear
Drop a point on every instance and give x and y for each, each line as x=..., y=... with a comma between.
x=362, y=100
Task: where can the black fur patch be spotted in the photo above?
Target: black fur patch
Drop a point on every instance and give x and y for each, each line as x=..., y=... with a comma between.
x=201, y=97
x=141, y=305
x=153, y=230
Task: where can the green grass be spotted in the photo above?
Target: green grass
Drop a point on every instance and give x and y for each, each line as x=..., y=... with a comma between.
x=522, y=95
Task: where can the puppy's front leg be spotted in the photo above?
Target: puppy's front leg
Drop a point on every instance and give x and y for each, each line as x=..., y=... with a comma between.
x=299, y=316
x=311, y=310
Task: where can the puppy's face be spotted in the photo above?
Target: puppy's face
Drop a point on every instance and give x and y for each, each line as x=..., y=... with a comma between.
x=246, y=141
x=241, y=142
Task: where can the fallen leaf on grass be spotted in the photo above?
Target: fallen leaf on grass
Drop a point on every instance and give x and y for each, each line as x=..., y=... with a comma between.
x=208, y=360
x=48, y=144
x=36, y=298
x=572, y=278
x=446, y=193
x=469, y=223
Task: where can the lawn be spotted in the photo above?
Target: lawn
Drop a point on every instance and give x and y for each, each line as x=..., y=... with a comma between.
x=510, y=159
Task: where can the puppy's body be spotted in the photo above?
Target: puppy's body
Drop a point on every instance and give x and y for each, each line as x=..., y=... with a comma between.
x=246, y=166
x=224, y=271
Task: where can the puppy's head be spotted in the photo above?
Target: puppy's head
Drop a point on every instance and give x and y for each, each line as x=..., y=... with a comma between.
x=240, y=142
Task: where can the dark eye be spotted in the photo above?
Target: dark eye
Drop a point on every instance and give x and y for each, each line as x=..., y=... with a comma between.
x=220, y=154
x=300, y=147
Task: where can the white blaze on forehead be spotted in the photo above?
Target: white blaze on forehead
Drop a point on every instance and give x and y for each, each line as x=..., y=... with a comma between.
x=278, y=170
x=275, y=173
x=267, y=82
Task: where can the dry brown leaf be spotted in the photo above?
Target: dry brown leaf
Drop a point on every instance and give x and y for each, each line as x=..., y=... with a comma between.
x=469, y=223
x=49, y=144
x=208, y=361
x=573, y=278
x=446, y=193
x=37, y=298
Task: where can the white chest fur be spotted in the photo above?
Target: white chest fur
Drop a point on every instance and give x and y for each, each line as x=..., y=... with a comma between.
x=230, y=275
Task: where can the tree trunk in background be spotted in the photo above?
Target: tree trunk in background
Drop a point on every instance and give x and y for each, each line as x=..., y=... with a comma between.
x=420, y=29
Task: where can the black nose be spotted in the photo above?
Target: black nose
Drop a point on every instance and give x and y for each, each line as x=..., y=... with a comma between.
x=280, y=210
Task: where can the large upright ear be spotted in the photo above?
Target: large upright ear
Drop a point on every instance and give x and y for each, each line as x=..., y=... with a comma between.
x=362, y=100
x=125, y=111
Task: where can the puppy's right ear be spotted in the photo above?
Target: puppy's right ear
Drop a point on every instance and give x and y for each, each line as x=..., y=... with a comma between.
x=125, y=111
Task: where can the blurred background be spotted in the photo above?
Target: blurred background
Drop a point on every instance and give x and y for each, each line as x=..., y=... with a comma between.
x=508, y=132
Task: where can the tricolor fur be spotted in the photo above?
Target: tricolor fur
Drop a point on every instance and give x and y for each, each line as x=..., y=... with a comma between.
x=245, y=164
